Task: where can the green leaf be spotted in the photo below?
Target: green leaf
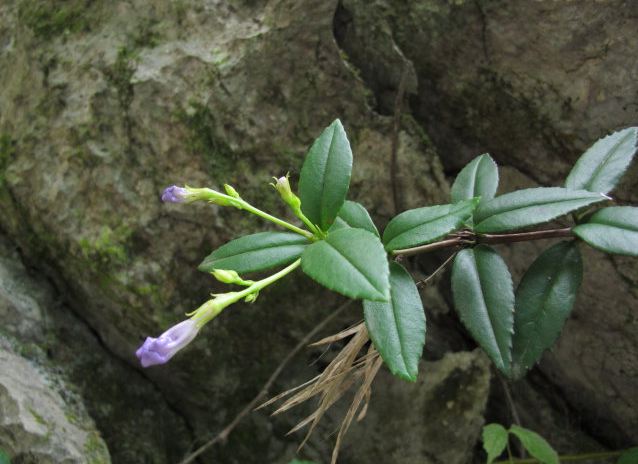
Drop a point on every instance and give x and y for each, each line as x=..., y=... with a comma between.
x=325, y=176
x=600, y=168
x=535, y=445
x=494, y=441
x=351, y=262
x=4, y=459
x=479, y=178
x=613, y=229
x=353, y=214
x=544, y=299
x=256, y=252
x=628, y=457
x=297, y=461
x=529, y=207
x=484, y=298
x=397, y=327
x=424, y=225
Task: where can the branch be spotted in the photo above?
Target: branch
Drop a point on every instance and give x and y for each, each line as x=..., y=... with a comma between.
x=472, y=238
x=221, y=436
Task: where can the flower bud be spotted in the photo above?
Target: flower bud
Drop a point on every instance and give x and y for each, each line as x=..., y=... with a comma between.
x=226, y=276
x=159, y=350
x=283, y=187
x=175, y=194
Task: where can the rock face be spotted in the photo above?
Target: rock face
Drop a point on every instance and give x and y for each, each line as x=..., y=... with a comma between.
x=34, y=426
x=103, y=106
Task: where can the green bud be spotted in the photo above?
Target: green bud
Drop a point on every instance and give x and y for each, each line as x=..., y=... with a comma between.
x=226, y=276
x=231, y=192
x=252, y=297
x=282, y=185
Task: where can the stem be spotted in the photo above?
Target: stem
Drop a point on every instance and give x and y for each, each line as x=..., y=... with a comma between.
x=488, y=239
x=248, y=207
x=575, y=457
x=230, y=298
x=428, y=247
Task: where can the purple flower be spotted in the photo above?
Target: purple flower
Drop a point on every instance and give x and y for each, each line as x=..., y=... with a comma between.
x=160, y=350
x=175, y=194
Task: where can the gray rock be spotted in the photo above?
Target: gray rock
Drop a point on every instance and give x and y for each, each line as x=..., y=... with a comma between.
x=36, y=424
x=103, y=106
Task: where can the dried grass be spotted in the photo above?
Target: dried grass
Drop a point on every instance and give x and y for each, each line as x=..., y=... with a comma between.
x=345, y=370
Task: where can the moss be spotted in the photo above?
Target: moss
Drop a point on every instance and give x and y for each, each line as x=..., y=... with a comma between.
x=109, y=247
x=38, y=418
x=7, y=152
x=119, y=74
x=203, y=140
x=96, y=450
x=53, y=18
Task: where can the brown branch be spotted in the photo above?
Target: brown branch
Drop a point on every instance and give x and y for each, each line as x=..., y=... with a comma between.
x=471, y=238
x=490, y=239
x=221, y=436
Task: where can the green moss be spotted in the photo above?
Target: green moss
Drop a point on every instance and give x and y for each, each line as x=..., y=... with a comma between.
x=96, y=450
x=38, y=418
x=53, y=18
x=7, y=152
x=203, y=140
x=109, y=247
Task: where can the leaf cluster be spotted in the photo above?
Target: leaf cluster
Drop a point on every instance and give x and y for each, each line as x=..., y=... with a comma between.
x=514, y=326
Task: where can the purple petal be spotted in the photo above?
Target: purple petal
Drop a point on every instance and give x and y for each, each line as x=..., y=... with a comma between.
x=159, y=350
x=174, y=194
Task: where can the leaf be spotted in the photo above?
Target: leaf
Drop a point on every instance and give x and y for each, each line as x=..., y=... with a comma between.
x=351, y=262
x=4, y=459
x=628, y=457
x=325, y=176
x=424, y=225
x=256, y=252
x=397, y=327
x=353, y=214
x=494, y=440
x=297, y=461
x=529, y=207
x=484, y=298
x=535, y=445
x=479, y=178
x=613, y=229
x=600, y=168
x=544, y=299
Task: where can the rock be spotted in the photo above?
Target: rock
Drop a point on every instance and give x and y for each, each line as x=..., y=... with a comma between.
x=88, y=380
x=36, y=424
x=105, y=106
x=437, y=419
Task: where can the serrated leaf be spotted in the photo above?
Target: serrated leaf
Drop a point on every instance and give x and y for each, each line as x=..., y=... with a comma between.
x=494, y=441
x=479, y=178
x=353, y=214
x=629, y=457
x=256, y=252
x=325, y=176
x=397, y=327
x=529, y=207
x=613, y=229
x=544, y=299
x=600, y=168
x=484, y=298
x=424, y=225
x=351, y=262
x=535, y=445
